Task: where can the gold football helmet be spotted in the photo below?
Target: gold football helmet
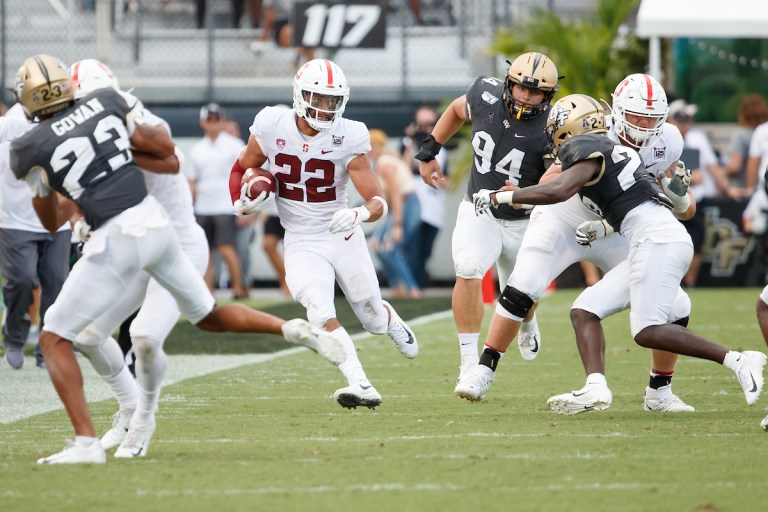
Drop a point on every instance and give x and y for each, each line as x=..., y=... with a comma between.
x=43, y=87
x=530, y=70
x=575, y=114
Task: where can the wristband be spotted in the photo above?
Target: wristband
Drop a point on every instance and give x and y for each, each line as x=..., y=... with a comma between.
x=383, y=204
x=681, y=206
x=504, y=196
x=428, y=150
x=364, y=213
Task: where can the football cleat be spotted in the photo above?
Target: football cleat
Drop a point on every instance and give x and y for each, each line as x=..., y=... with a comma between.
x=764, y=423
x=750, y=374
x=359, y=394
x=664, y=400
x=529, y=341
x=136, y=443
x=592, y=397
x=474, y=383
x=115, y=435
x=14, y=356
x=300, y=332
x=77, y=454
x=400, y=334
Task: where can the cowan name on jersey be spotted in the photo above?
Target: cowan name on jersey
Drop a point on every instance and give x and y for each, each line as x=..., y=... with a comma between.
x=85, y=155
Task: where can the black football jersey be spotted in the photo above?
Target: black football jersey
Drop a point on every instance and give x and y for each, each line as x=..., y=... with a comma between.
x=622, y=183
x=85, y=153
x=504, y=148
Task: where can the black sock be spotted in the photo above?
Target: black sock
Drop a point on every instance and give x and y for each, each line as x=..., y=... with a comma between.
x=657, y=381
x=490, y=358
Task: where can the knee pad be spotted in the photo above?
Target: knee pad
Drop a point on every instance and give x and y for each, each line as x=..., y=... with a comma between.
x=467, y=267
x=144, y=347
x=90, y=338
x=318, y=312
x=515, y=302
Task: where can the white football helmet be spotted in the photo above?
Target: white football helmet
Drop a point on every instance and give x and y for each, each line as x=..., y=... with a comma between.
x=89, y=75
x=639, y=95
x=320, y=93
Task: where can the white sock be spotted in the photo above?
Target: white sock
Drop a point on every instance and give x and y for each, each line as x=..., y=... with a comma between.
x=351, y=367
x=146, y=405
x=123, y=388
x=151, y=365
x=468, y=348
x=731, y=360
x=85, y=440
x=596, y=378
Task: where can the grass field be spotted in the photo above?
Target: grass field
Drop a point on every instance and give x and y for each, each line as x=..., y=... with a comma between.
x=270, y=437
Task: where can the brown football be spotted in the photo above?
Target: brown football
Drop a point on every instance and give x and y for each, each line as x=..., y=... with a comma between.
x=258, y=181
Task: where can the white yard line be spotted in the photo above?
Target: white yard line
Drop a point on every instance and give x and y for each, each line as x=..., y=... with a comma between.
x=28, y=392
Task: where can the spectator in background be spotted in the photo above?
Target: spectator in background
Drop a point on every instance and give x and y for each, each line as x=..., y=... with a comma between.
x=238, y=7
x=753, y=112
x=401, y=227
x=207, y=170
x=277, y=23
x=708, y=178
x=431, y=200
x=758, y=158
x=32, y=256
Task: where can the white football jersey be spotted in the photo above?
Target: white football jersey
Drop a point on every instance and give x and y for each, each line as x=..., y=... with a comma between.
x=171, y=190
x=657, y=159
x=311, y=172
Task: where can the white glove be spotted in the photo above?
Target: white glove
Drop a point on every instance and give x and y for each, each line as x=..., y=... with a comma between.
x=483, y=201
x=245, y=206
x=82, y=230
x=590, y=230
x=347, y=219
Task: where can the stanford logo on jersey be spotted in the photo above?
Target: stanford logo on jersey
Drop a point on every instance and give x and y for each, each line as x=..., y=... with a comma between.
x=337, y=141
x=659, y=153
x=280, y=144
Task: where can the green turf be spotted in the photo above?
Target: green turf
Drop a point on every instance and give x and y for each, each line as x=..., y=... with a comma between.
x=187, y=339
x=269, y=436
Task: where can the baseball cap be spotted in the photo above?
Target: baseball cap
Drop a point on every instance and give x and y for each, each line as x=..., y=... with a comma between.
x=681, y=111
x=211, y=108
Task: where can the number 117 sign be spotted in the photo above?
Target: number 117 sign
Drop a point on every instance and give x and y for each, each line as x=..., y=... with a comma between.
x=339, y=25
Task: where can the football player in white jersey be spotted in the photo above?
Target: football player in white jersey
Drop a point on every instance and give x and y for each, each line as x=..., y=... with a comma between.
x=313, y=152
x=81, y=149
x=612, y=180
x=550, y=247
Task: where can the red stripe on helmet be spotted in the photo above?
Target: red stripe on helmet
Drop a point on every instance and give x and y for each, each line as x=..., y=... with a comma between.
x=649, y=86
x=329, y=70
x=76, y=74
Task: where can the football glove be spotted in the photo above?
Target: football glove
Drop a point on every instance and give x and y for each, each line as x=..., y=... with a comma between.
x=246, y=206
x=483, y=201
x=82, y=230
x=679, y=182
x=347, y=219
x=590, y=230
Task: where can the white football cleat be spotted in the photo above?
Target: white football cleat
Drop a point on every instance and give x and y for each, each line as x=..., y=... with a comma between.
x=764, y=423
x=664, y=400
x=354, y=395
x=750, y=374
x=592, y=397
x=300, y=332
x=474, y=383
x=77, y=454
x=400, y=334
x=115, y=435
x=136, y=443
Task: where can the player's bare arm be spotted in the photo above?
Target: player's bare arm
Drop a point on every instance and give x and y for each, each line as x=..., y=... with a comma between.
x=449, y=123
x=556, y=190
x=53, y=210
x=168, y=165
x=367, y=184
x=153, y=140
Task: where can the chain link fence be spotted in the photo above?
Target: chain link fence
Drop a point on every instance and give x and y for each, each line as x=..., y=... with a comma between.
x=156, y=47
